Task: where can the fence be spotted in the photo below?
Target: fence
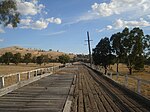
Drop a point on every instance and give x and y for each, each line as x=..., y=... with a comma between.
x=133, y=83
x=11, y=82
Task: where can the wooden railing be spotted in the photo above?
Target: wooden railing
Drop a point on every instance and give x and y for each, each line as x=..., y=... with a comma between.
x=11, y=82
x=138, y=85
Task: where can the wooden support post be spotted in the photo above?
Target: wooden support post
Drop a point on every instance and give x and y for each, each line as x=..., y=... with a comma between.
x=2, y=83
x=18, y=77
x=139, y=86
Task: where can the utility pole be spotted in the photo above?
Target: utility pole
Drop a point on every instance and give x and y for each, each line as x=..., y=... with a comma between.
x=90, y=56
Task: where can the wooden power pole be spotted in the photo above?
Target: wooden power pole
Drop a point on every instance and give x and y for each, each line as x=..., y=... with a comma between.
x=90, y=56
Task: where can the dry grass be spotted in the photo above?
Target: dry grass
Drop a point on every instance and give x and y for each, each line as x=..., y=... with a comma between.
x=10, y=69
x=139, y=74
x=132, y=83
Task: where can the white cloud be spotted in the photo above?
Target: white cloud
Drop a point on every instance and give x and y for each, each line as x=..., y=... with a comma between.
x=121, y=6
x=29, y=8
x=119, y=23
x=39, y=25
x=55, y=33
x=54, y=20
x=108, y=27
x=28, y=23
x=1, y=30
x=1, y=40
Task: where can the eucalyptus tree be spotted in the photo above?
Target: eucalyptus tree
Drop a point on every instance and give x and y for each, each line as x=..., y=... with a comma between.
x=27, y=58
x=16, y=58
x=102, y=53
x=118, y=48
x=8, y=13
x=133, y=47
x=7, y=58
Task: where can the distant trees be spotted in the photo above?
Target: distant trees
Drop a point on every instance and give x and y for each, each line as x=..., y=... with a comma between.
x=16, y=58
x=27, y=58
x=40, y=59
x=129, y=46
x=64, y=59
x=7, y=58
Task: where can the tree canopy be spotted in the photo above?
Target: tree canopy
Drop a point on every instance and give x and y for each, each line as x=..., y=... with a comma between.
x=131, y=46
x=8, y=13
x=102, y=53
x=64, y=59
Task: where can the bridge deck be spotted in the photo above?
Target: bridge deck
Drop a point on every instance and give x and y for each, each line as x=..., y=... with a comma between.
x=46, y=95
x=92, y=93
x=95, y=94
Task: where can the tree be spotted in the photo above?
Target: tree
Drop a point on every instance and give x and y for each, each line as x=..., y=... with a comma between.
x=27, y=58
x=7, y=57
x=118, y=48
x=17, y=58
x=33, y=60
x=64, y=59
x=40, y=59
x=8, y=13
x=45, y=59
x=133, y=46
x=102, y=53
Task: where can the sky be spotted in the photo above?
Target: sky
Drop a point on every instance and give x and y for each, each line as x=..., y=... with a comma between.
x=62, y=24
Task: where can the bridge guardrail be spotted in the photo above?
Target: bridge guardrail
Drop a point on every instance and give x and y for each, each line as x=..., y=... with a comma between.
x=14, y=81
x=136, y=84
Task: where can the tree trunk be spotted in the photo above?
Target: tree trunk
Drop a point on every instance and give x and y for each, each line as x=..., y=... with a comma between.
x=117, y=67
x=105, y=69
x=130, y=70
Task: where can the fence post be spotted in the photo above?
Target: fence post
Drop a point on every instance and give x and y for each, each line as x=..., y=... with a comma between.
x=18, y=77
x=139, y=86
x=2, y=83
x=36, y=72
x=111, y=75
x=117, y=76
x=126, y=80
x=29, y=75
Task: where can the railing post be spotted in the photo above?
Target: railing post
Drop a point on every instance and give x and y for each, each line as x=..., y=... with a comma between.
x=139, y=86
x=117, y=76
x=29, y=75
x=111, y=75
x=2, y=83
x=18, y=77
x=126, y=80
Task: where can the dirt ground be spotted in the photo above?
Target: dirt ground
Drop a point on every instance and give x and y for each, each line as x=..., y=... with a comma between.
x=12, y=68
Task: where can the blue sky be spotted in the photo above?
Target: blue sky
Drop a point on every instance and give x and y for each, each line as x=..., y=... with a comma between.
x=62, y=24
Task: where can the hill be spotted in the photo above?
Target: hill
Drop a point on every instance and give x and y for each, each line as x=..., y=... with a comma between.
x=34, y=52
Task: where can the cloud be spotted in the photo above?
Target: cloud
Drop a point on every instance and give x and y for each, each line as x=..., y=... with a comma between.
x=1, y=30
x=121, y=6
x=119, y=23
x=55, y=33
x=54, y=20
x=108, y=27
x=28, y=23
x=29, y=8
x=1, y=40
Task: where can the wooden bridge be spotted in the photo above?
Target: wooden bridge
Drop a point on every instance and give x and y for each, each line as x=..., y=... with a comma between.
x=74, y=89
